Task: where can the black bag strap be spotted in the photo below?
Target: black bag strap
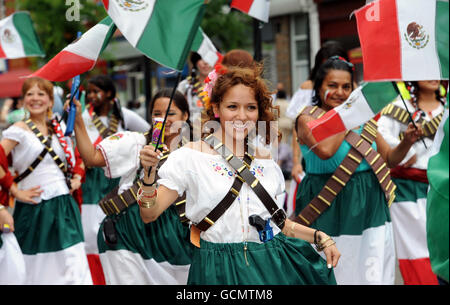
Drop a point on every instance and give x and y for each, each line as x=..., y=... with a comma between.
x=243, y=172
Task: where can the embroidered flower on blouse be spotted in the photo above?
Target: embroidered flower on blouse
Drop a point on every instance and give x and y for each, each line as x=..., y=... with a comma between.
x=257, y=170
x=117, y=136
x=223, y=170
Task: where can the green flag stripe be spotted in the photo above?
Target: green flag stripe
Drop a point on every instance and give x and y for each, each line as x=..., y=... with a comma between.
x=168, y=36
x=197, y=40
x=442, y=34
x=112, y=28
x=379, y=94
x=30, y=40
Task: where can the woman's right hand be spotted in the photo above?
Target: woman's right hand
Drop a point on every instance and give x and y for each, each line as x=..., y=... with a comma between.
x=6, y=221
x=26, y=195
x=297, y=170
x=149, y=157
x=77, y=105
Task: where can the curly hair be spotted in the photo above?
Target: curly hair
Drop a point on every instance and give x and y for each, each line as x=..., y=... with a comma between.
x=250, y=77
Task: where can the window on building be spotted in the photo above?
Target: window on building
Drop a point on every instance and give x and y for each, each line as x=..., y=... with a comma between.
x=300, y=46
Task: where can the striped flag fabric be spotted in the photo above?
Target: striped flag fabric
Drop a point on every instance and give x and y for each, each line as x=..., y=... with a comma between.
x=18, y=38
x=362, y=105
x=258, y=9
x=204, y=46
x=438, y=201
x=80, y=56
x=162, y=30
x=404, y=39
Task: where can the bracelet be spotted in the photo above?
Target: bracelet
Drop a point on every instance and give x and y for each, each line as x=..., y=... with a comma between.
x=291, y=232
x=320, y=246
x=315, y=236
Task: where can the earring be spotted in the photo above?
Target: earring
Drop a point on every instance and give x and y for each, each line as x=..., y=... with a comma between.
x=49, y=113
x=216, y=116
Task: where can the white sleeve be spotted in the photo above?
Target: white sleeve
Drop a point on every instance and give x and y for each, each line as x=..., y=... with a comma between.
x=301, y=98
x=390, y=129
x=172, y=174
x=134, y=122
x=121, y=153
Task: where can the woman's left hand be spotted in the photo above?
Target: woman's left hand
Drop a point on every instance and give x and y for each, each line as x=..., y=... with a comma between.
x=412, y=134
x=332, y=254
x=75, y=184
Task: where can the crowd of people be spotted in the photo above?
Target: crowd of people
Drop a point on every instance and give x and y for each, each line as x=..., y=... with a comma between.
x=111, y=206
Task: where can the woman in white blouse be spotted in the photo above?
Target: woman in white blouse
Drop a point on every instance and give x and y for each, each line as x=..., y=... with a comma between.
x=425, y=101
x=230, y=250
x=48, y=225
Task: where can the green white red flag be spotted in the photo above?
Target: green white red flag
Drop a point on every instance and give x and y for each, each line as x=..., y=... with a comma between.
x=404, y=39
x=204, y=46
x=362, y=105
x=162, y=30
x=81, y=55
x=258, y=9
x=18, y=38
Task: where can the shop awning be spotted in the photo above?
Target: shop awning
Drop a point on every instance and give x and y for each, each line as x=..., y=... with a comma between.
x=11, y=82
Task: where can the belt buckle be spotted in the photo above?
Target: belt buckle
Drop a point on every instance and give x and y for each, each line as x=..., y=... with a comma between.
x=279, y=217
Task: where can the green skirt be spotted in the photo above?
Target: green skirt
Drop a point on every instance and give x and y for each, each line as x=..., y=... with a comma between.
x=360, y=204
x=49, y=226
x=97, y=185
x=164, y=240
x=281, y=261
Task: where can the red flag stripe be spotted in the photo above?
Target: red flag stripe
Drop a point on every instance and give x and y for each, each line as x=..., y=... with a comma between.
x=321, y=131
x=417, y=272
x=243, y=5
x=106, y=4
x=2, y=53
x=380, y=40
x=64, y=66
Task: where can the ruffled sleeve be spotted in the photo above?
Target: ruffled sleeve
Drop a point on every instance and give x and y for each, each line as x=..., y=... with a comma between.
x=173, y=172
x=14, y=133
x=121, y=153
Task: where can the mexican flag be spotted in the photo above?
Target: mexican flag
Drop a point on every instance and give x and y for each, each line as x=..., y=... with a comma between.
x=404, y=39
x=438, y=201
x=362, y=105
x=162, y=30
x=80, y=56
x=18, y=38
x=204, y=46
x=258, y=9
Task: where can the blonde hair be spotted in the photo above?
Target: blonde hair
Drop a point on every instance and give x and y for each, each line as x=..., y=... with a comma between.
x=42, y=84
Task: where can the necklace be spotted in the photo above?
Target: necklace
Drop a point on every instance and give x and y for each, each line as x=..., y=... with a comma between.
x=244, y=233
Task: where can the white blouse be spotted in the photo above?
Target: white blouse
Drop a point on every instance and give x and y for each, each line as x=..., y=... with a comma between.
x=121, y=153
x=47, y=174
x=391, y=128
x=207, y=178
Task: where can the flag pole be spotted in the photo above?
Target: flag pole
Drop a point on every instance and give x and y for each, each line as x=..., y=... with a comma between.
x=165, y=119
x=406, y=107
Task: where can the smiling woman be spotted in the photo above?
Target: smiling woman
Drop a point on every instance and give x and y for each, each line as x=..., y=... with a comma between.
x=347, y=190
x=47, y=220
x=235, y=227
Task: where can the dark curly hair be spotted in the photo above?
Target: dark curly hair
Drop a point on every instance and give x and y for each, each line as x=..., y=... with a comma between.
x=249, y=77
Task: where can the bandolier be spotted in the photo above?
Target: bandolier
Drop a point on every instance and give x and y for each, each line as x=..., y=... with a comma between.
x=361, y=148
x=401, y=115
x=102, y=129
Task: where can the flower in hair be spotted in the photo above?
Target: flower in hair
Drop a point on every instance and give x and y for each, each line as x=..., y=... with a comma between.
x=210, y=80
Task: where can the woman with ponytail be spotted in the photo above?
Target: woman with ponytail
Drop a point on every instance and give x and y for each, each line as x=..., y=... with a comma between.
x=103, y=116
x=130, y=251
x=47, y=221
